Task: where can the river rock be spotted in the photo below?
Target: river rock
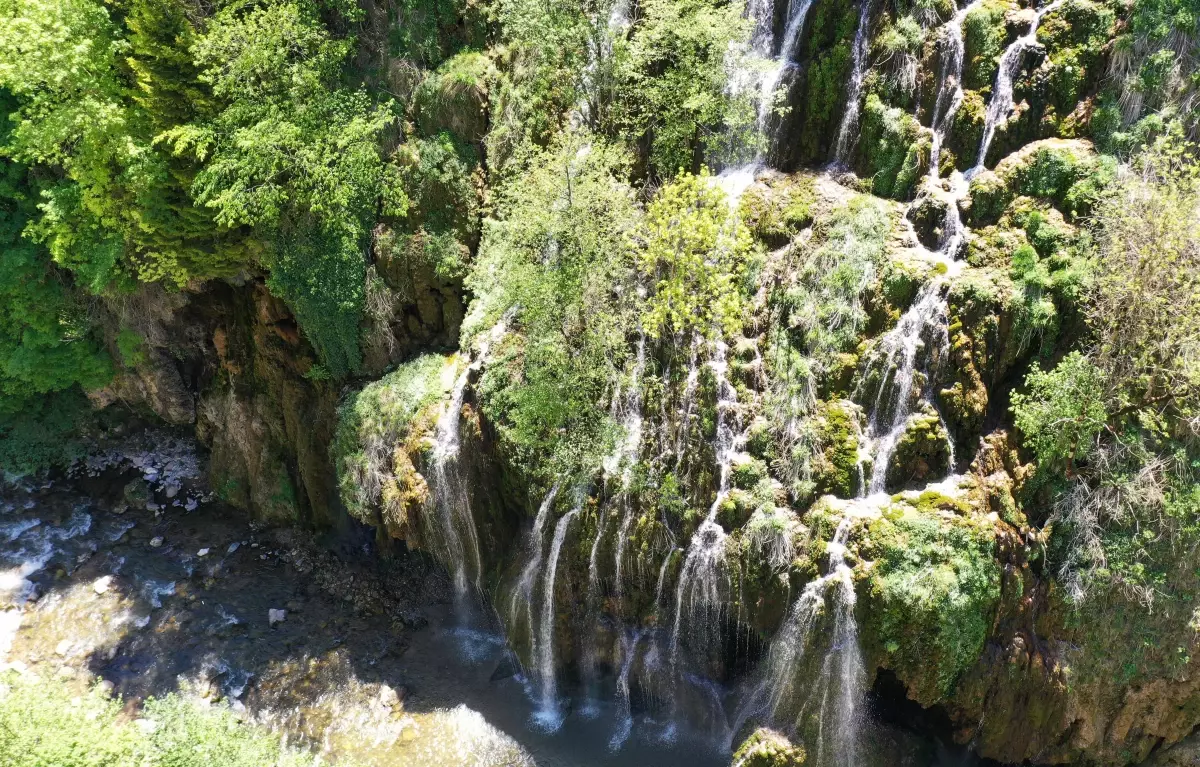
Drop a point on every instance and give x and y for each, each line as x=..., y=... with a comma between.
x=276, y=616
x=101, y=585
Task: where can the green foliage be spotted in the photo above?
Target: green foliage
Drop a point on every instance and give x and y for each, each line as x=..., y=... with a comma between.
x=935, y=585
x=1062, y=412
x=428, y=32
x=1148, y=269
x=376, y=422
x=824, y=307
x=1151, y=64
x=1073, y=180
x=44, y=724
x=671, y=85
x=454, y=98
x=92, y=99
x=984, y=37
x=44, y=432
x=295, y=154
x=894, y=151
x=554, y=253
x=694, y=249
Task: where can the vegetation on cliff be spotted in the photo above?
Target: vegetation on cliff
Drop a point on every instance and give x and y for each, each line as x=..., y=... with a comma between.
x=749, y=375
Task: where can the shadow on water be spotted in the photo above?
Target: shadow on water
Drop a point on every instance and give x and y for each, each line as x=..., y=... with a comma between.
x=366, y=663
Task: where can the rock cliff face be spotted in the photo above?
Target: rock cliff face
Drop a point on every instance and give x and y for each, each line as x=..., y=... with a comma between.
x=750, y=477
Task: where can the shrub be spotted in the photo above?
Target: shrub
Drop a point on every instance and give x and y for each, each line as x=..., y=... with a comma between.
x=695, y=250
x=43, y=723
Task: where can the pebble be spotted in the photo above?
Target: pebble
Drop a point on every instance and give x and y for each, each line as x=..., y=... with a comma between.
x=232, y=547
x=146, y=725
x=101, y=584
x=63, y=647
x=202, y=552
x=276, y=616
x=106, y=688
x=156, y=541
x=388, y=696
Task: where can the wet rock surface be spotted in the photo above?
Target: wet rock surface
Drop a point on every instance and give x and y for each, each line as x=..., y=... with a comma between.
x=355, y=655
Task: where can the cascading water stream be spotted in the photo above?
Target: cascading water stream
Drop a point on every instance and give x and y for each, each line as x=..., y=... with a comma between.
x=919, y=340
x=698, y=597
x=1001, y=105
x=522, y=596
x=548, y=715
x=845, y=140
x=796, y=15
x=626, y=455
x=627, y=411
x=949, y=99
x=449, y=524
x=629, y=649
x=828, y=710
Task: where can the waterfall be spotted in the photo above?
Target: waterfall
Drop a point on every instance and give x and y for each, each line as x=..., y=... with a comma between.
x=627, y=411
x=448, y=522
x=796, y=14
x=946, y=105
x=549, y=712
x=522, y=596
x=1001, y=104
x=687, y=401
x=845, y=140
x=919, y=340
x=629, y=648
x=831, y=703
x=698, y=592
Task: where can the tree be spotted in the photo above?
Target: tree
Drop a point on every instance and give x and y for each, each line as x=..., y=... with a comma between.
x=293, y=152
x=1145, y=310
x=694, y=249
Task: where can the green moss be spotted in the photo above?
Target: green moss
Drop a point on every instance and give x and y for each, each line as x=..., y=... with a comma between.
x=778, y=211
x=921, y=453
x=984, y=38
x=368, y=450
x=892, y=148
x=455, y=97
x=836, y=469
x=932, y=592
x=47, y=722
x=747, y=474
x=767, y=748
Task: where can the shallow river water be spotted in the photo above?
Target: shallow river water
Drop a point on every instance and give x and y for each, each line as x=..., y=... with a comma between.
x=366, y=662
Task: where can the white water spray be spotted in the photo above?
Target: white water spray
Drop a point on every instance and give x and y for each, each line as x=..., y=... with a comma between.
x=1001, y=105
x=917, y=343
x=448, y=522
x=698, y=594
x=522, y=596
x=845, y=141
x=549, y=714
x=830, y=705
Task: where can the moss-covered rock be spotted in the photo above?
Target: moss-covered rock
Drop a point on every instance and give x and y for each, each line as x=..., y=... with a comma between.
x=931, y=594
x=892, y=149
x=1065, y=173
x=455, y=97
x=778, y=209
x=836, y=468
x=768, y=748
x=380, y=429
x=922, y=452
